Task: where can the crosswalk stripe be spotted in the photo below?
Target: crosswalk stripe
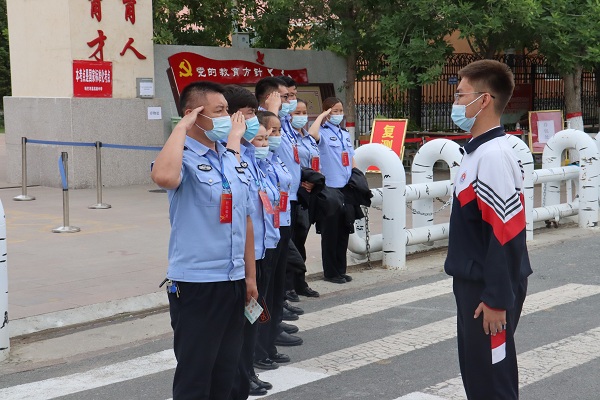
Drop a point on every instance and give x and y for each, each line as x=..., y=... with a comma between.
x=297, y=374
x=354, y=357
x=373, y=304
x=534, y=365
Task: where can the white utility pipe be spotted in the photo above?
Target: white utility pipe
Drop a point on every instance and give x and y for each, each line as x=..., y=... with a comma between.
x=394, y=206
x=522, y=151
x=427, y=234
x=4, y=336
x=589, y=175
x=422, y=172
x=556, y=211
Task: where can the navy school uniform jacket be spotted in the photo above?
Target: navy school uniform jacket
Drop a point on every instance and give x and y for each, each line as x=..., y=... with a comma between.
x=487, y=225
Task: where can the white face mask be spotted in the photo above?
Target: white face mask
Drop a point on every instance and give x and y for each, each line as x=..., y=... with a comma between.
x=459, y=116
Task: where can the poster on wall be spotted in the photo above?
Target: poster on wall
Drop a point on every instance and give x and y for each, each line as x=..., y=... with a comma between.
x=542, y=126
x=92, y=78
x=390, y=133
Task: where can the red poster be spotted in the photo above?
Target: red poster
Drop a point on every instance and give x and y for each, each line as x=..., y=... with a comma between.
x=92, y=78
x=191, y=67
x=390, y=133
x=542, y=126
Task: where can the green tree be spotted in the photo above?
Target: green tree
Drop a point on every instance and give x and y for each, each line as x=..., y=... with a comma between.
x=193, y=22
x=5, y=89
x=568, y=35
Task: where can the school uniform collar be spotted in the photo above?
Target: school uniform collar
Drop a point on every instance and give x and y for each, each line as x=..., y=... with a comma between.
x=199, y=148
x=483, y=138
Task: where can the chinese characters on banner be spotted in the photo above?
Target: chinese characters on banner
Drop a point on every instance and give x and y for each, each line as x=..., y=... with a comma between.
x=92, y=78
x=390, y=133
x=543, y=125
x=191, y=67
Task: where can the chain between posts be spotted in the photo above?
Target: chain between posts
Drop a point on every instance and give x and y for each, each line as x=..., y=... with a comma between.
x=367, y=236
x=446, y=204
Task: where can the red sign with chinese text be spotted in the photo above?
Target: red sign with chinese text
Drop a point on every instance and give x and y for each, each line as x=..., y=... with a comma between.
x=92, y=78
x=542, y=126
x=390, y=133
x=191, y=67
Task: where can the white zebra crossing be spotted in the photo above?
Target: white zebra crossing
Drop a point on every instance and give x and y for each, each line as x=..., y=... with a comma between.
x=322, y=367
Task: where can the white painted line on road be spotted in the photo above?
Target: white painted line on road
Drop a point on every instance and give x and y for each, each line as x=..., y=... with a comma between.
x=95, y=378
x=534, y=365
x=373, y=304
x=354, y=357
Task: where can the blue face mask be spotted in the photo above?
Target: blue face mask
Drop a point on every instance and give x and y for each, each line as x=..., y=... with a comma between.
x=459, y=116
x=293, y=105
x=336, y=119
x=298, y=121
x=220, y=130
x=261, y=152
x=274, y=142
x=252, y=125
x=285, y=109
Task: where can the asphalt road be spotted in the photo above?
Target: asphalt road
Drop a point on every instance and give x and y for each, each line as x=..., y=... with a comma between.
x=387, y=336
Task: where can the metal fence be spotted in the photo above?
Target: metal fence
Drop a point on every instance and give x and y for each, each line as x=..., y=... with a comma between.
x=373, y=100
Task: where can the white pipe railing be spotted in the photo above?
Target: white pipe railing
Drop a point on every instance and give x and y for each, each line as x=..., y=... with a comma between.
x=4, y=336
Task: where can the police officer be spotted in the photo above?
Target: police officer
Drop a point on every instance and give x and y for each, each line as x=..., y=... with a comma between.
x=211, y=248
x=337, y=161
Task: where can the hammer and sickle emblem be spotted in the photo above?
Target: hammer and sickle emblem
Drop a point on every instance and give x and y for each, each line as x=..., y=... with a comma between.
x=186, y=69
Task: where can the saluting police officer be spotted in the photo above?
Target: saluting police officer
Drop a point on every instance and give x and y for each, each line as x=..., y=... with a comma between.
x=211, y=269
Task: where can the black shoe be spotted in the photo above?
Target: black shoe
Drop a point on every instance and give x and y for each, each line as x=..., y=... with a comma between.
x=294, y=309
x=256, y=389
x=261, y=384
x=287, y=315
x=289, y=328
x=348, y=278
x=336, y=279
x=265, y=363
x=308, y=292
x=285, y=339
x=280, y=358
x=291, y=295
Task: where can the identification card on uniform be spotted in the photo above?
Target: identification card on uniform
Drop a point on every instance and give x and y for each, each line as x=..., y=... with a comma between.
x=283, y=200
x=276, y=218
x=314, y=163
x=296, y=154
x=226, y=208
x=253, y=310
x=345, y=159
x=264, y=197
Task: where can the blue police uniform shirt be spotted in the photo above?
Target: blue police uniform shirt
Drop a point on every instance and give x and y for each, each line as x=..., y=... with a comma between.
x=256, y=184
x=281, y=178
x=332, y=142
x=286, y=154
x=307, y=148
x=201, y=248
x=272, y=234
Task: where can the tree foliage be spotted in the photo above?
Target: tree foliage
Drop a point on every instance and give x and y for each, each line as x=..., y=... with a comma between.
x=5, y=88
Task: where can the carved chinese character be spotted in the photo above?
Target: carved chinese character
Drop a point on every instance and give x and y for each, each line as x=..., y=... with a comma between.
x=96, y=10
x=236, y=71
x=129, y=46
x=201, y=72
x=129, y=11
x=99, y=41
x=257, y=72
x=246, y=71
x=223, y=72
x=212, y=72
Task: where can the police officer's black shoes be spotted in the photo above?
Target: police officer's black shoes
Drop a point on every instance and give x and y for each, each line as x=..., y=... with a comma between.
x=348, y=278
x=285, y=339
x=291, y=295
x=308, y=292
x=263, y=384
x=335, y=279
x=294, y=309
x=280, y=358
x=255, y=389
x=289, y=328
x=265, y=363
x=287, y=315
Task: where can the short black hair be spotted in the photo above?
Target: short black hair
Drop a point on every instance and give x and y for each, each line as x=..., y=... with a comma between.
x=239, y=97
x=266, y=86
x=289, y=82
x=263, y=117
x=197, y=89
x=491, y=76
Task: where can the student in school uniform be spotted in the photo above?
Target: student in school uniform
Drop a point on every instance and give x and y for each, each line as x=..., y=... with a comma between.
x=336, y=161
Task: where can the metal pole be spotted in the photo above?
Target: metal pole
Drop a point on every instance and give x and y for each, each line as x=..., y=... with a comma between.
x=23, y=196
x=65, y=228
x=99, y=204
x=4, y=334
